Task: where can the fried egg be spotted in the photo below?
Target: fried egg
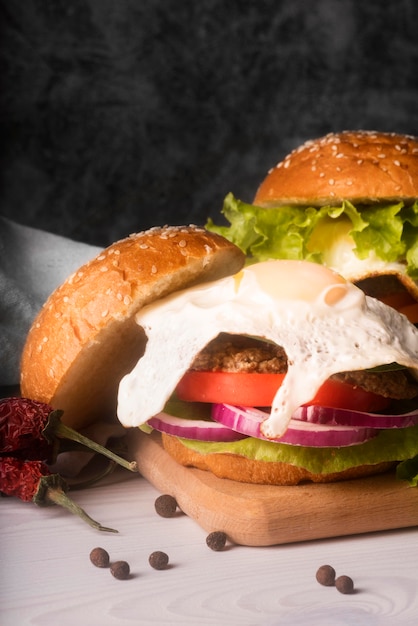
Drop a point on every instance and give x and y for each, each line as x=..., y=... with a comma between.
x=325, y=324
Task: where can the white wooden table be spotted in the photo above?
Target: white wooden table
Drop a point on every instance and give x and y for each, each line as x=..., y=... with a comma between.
x=47, y=578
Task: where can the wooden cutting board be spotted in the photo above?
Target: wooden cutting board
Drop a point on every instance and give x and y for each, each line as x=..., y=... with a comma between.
x=264, y=515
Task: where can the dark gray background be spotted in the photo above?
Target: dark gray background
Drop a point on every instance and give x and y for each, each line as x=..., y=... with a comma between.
x=122, y=114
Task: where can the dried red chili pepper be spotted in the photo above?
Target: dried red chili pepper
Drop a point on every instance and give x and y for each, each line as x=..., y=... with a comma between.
x=30, y=430
x=32, y=481
x=21, y=424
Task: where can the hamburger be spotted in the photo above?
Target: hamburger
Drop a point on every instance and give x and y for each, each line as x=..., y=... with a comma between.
x=274, y=373
x=348, y=200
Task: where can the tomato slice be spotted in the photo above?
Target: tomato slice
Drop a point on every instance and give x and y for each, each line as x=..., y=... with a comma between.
x=242, y=388
x=258, y=390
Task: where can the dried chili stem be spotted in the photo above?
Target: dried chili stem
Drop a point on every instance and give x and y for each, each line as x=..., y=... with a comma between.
x=58, y=496
x=55, y=428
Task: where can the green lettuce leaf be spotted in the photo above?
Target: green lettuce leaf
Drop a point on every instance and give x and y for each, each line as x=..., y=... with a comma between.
x=294, y=232
x=389, y=445
x=408, y=470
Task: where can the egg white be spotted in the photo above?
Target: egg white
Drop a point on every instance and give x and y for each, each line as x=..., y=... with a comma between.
x=325, y=324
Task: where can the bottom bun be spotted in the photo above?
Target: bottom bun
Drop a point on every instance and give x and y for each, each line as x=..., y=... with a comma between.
x=246, y=470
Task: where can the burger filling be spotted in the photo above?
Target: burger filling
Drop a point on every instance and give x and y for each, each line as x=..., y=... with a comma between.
x=284, y=361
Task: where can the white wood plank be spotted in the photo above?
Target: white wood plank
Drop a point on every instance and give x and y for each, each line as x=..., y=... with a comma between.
x=47, y=577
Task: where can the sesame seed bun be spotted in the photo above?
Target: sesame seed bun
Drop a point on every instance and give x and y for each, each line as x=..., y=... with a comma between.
x=85, y=338
x=360, y=166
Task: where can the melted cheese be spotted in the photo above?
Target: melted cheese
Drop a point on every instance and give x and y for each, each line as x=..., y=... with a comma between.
x=325, y=324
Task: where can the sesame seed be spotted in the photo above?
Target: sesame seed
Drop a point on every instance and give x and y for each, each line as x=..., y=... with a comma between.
x=45, y=339
x=153, y=269
x=381, y=156
x=313, y=168
x=321, y=175
x=349, y=182
x=119, y=297
x=104, y=268
x=286, y=164
x=105, y=312
x=143, y=246
x=397, y=163
x=182, y=243
x=331, y=181
x=66, y=298
x=101, y=257
x=127, y=300
x=359, y=161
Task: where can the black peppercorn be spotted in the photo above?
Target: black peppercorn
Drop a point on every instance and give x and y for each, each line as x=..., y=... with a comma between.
x=216, y=540
x=344, y=584
x=158, y=560
x=325, y=575
x=99, y=557
x=120, y=570
x=166, y=505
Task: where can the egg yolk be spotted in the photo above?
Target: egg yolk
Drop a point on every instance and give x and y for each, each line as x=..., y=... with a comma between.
x=298, y=280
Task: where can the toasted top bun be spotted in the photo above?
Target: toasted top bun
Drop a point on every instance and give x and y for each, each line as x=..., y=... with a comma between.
x=360, y=166
x=85, y=338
